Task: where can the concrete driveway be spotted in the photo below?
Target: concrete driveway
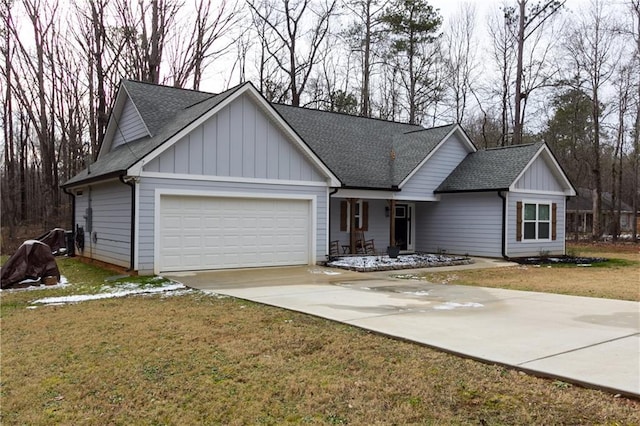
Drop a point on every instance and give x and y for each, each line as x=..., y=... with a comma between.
x=595, y=342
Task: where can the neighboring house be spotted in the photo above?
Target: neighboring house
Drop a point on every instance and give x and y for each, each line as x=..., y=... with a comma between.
x=580, y=213
x=187, y=180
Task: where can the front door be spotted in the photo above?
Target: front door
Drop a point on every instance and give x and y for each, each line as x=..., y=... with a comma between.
x=405, y=232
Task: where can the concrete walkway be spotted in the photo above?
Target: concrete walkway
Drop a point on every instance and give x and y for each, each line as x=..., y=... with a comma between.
x=589, y=341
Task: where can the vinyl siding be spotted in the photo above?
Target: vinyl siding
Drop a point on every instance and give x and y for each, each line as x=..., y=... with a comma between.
x=148, y=186
x=111, y=205
x=443, y=161
x=129, y=126
x=535, y=248
x=239, y=141
x=539, y=177
x=469, y=223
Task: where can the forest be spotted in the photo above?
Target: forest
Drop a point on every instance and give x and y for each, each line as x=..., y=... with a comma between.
x=518, y=71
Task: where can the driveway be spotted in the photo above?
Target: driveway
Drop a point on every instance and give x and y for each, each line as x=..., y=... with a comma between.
x=594, y=342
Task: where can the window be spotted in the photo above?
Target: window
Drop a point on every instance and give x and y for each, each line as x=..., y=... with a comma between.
x=360, y=213
x=537, y=222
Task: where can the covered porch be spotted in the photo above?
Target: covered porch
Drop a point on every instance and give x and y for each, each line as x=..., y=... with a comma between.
x=364, y=225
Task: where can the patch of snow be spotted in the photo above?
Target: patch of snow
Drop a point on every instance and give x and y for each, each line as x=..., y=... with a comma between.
x=417, y=293
x=183, y=274
x=447, y=306
x=117, y=292
x=37, y=285
x=324, y=271
x=401, y=262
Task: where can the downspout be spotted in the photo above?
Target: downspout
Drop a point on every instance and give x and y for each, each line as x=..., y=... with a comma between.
x=504, y=223
x=133, y=219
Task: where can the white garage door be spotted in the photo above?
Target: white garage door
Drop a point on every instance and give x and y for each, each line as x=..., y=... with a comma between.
x=215, y=233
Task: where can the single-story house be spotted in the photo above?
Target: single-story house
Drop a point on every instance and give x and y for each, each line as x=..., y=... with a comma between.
x=188, y=180
x=580, y=213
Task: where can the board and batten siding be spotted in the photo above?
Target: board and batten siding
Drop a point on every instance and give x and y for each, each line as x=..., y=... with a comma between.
x=469, y=223
x=436, y=169
x=129, y=126
x=238, y=141
x=539, y=177
x=147, y=208
x=111, y=206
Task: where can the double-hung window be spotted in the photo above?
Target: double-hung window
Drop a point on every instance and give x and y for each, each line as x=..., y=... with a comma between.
x=537, y=221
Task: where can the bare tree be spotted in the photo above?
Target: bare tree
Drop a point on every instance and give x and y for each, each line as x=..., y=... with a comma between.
x=503, y=44
x=363, y=36
x=591, y=48
x=201, y=40
x=530, y=18
x=635, y=31
x=299, y=26
x=459, y=57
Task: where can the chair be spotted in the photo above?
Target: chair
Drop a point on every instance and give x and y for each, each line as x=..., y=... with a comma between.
x=334, y=248
x=364, y=246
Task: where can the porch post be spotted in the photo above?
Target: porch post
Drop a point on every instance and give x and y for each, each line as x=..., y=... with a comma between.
x=352, y=224
x=392, y=223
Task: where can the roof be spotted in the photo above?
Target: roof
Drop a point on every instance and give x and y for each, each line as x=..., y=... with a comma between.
x=584, y=201
x=363, y=152
x=165, y=111
x=490, y=169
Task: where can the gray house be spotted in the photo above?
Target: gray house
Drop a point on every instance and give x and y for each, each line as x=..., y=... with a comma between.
x=187, y=180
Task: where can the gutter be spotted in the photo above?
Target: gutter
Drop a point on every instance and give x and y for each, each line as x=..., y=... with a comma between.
x=504, y=222
x=133, y=221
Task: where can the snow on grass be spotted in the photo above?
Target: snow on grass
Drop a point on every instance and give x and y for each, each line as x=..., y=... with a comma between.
x=156, y=285
x=37, y=285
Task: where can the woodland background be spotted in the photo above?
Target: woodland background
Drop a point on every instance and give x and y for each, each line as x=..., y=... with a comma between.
x=526, y=71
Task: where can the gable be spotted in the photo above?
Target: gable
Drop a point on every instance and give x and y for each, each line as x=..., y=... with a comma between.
x=543, y=174
x=128, y=126
x=240, y=140
x=445, y=158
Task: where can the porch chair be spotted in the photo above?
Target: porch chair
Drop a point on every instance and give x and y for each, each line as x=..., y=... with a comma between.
x=364, y=246
x=334, y=248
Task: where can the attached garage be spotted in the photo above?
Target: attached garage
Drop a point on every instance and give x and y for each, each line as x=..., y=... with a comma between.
x=206, y=232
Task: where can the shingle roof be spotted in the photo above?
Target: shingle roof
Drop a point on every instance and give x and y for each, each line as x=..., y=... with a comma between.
x=168, y=111
x=489, y=169
x=584, y=201
x=361, y=152
x=358, y=150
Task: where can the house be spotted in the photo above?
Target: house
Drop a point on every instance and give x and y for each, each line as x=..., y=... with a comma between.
x=187, y=180
x=580, y=213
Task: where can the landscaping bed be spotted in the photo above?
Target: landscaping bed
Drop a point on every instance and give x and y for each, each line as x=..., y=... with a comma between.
x=559, y=260
x=386, y=263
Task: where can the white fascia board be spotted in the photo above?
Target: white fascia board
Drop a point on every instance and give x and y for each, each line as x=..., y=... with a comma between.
x=112, y=125
x=268, y=108
x=555, y=169
x=464, y=139
x=369, y=194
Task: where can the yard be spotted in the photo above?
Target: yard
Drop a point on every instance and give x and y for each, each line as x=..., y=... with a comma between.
x=192, y=358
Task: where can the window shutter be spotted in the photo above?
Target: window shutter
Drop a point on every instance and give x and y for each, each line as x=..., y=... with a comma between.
x=519, y=221
x=364, y=220
x=554, y=217
x=343, y=216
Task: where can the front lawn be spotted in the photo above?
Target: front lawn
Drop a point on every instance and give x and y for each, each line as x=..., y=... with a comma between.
x=196, y=358
x=618, y=278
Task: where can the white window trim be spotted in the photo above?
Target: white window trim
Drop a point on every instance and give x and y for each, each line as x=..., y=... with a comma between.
x=358, y=216
x=537, y=221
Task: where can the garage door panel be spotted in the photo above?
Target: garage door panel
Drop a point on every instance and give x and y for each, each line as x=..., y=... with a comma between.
x=217, y=233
